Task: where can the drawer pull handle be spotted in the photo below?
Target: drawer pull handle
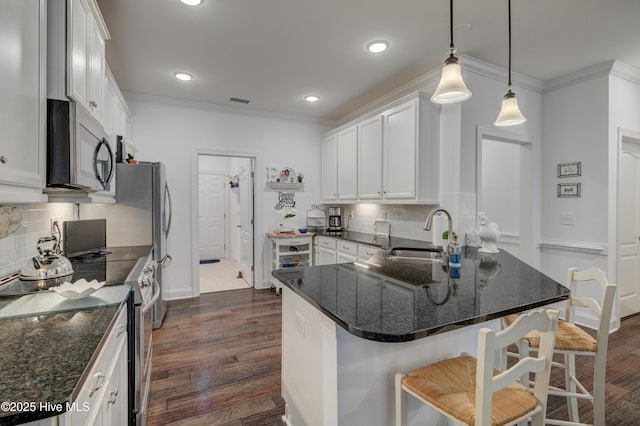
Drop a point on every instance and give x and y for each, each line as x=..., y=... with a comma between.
x=113, y=396
x=122, y=328
x=101, y=379
x=3, y=159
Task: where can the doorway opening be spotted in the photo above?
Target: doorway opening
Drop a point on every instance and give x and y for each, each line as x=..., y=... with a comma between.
x=225, y=222
x=505, y=190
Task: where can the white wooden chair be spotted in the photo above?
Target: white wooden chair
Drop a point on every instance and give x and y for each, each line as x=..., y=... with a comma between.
x=571, y=340
x=472, y=392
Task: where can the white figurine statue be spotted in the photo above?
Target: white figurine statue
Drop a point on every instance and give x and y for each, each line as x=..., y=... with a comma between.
x=489, y=234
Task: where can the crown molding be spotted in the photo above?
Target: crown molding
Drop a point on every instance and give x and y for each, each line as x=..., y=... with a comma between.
x=161, y=100
x=495, y=72
x=402, y=91
x=584, y=74
x=626, y=72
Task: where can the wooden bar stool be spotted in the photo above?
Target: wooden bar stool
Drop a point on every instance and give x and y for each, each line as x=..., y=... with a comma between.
x=472, y=392
x=571, y=340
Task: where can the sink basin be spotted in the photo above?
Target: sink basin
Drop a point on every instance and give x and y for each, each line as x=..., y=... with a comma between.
x=414, y=255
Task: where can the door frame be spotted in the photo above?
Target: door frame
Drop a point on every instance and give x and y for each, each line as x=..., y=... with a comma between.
x=531, y=250
x=196, y=152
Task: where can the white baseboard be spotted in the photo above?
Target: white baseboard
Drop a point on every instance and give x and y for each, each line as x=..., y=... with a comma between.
x=179, y=293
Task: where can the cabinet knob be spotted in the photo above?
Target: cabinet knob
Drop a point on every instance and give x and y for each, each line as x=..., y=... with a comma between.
x=3, y=159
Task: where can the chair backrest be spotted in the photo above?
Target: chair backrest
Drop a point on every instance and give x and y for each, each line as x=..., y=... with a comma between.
x=603, y=311
x=489, y=341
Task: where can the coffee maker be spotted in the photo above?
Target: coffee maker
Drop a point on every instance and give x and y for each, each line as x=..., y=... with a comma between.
x=335, y=219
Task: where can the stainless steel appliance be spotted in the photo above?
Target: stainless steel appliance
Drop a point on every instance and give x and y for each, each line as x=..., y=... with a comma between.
x=143, y=190
x=84, y=237
x=335, y=219
x=146, y=292
x=78, y=153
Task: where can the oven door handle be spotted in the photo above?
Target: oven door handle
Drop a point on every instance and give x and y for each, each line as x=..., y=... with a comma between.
x=152, y=302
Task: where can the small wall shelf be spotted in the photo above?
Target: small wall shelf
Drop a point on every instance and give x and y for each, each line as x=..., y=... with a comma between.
x=279, y=186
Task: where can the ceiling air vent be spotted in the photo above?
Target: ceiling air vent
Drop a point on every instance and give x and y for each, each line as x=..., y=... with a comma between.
x=241, y=101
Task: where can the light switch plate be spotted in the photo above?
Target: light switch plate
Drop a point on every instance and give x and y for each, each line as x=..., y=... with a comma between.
x=567, y=219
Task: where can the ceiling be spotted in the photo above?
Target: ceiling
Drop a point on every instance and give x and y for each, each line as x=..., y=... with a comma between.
x=274, y=52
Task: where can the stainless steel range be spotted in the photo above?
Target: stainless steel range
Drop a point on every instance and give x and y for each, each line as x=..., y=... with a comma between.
x=146, y=291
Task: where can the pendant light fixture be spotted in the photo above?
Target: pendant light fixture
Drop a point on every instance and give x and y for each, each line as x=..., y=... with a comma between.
x=451, y=88
x=510, y=114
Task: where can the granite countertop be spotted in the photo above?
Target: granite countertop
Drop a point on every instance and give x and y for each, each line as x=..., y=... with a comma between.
x=395, y=302
x=45, y=355
x=376, y=240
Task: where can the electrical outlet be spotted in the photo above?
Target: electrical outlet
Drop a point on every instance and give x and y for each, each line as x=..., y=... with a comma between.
x=567, y=219
x=55, y=225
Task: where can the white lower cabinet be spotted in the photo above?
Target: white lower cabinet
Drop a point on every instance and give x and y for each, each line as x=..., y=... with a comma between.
x=334, y=250
x=103, y=398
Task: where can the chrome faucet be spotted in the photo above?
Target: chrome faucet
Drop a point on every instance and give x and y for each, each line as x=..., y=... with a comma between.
x=429, y=222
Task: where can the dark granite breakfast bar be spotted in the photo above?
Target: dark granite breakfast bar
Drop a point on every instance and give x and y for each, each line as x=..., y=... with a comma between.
x=391, y=301
x=348, y=328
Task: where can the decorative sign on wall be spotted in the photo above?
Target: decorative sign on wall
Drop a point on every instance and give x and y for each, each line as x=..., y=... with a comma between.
x=10, y=220
x=285, y=199
x=285, y=175
x=569, y=169
x=568, y=190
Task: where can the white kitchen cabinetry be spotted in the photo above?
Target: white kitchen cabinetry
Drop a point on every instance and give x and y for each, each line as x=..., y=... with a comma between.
x=330, y=168
x=340, y=166
x=86, y=35
x=396, y=155
x=326, y=251
x=370, y=159
x=103, y=398
x=366, y=252
x=289, y=251
x=411, y=152
x=346, y=252
x=23, y=110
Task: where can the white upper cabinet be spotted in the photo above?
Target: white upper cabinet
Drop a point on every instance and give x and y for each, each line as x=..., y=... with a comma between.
x=400, y=149
x=340, y=166
x=330, y=168
x=23, y=108
x=411, y=152
x=348, y=164
x=86, y=35
x=395, y=158
x=370, y=159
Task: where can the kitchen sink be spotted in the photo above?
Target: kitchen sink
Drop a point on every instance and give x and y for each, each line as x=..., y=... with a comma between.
x=414, y=255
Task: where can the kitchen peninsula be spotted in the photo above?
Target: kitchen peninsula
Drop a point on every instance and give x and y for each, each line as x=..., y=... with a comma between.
x=348, y=328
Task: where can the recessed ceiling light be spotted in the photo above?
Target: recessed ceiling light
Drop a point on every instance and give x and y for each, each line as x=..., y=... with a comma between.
x=312, y=98
x=377, y=46
x=183, y=76
x=192, y=2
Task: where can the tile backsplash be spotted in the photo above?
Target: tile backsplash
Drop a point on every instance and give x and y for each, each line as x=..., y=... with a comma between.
x=19, y=247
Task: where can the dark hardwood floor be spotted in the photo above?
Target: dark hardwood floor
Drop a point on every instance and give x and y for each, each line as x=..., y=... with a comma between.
x=217, y=359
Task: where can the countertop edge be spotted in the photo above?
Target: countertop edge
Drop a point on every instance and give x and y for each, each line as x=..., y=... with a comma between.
x=397, y=338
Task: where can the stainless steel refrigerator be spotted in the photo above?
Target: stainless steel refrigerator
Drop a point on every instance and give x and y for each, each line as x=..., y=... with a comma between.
x=143, y=188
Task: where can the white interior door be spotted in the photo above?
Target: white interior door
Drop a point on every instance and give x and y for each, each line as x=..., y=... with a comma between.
x=246, y=226
x=211, y=215
x=629, y=227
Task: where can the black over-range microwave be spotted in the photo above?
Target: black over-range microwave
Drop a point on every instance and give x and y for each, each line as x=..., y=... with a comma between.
x=78, y=152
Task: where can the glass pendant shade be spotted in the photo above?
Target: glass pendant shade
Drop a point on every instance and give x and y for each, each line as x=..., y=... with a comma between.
x=451, y=88
x=510, y=114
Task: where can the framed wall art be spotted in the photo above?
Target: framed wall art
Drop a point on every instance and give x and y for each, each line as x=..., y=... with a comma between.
x=569, y=190
x=570, y=169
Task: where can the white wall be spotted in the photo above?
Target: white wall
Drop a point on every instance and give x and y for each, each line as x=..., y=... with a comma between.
x=172, y=132
x=575, y=129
